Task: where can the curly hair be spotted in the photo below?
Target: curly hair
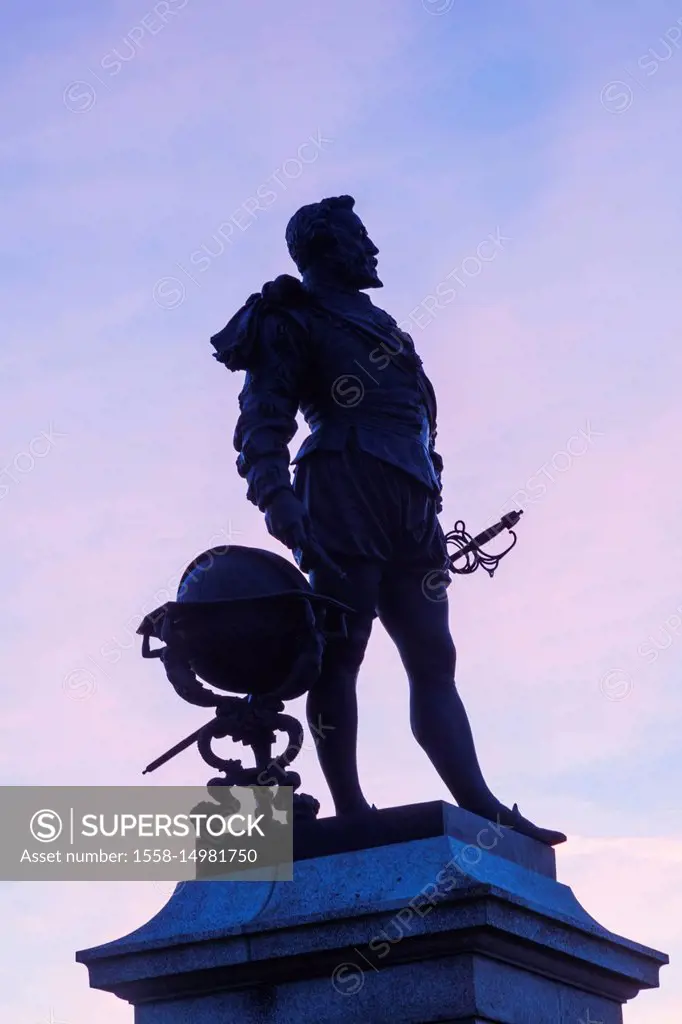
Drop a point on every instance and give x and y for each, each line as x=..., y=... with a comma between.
x=309, y=229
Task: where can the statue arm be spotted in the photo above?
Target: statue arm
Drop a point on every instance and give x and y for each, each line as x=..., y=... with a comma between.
x=268, y=406
x=436, y=460
x=437, y=463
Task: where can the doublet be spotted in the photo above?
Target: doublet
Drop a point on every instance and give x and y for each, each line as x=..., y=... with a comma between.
x=344, y=364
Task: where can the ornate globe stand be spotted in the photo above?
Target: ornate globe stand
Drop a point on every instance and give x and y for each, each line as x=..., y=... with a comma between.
x=245, y=614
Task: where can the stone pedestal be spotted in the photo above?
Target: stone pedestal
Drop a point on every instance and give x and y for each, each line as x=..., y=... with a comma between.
x=425, y=913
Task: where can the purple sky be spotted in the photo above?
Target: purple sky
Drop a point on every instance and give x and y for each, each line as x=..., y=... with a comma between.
x=137, y=141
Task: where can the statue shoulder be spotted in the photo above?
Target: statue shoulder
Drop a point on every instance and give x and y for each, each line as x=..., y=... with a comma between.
x=275, y=315
x=286, y=292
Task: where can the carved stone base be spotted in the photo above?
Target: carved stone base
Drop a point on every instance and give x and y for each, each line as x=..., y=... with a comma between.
x=459, y=920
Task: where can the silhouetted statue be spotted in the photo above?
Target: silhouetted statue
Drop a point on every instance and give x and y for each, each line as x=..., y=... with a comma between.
x=362, y=514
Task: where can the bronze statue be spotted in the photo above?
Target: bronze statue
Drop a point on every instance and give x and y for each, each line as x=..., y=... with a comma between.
x=361, y=516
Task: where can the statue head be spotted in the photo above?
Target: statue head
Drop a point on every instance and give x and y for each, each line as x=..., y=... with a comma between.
x=329, y=241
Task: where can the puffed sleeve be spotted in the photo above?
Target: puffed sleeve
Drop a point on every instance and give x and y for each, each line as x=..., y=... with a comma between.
x=268, y=406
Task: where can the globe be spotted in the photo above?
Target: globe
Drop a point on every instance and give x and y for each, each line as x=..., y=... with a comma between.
x=248, y=621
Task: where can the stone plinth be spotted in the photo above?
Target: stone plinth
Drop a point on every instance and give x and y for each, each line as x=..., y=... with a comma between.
x=421, y=914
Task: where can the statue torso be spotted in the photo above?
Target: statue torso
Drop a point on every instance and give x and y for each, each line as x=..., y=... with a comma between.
x=364, y=380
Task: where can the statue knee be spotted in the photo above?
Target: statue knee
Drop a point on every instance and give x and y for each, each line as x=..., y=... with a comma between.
x=433, y=664
x=347, y=653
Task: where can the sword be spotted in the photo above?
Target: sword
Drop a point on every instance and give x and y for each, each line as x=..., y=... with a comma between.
x=470, y=547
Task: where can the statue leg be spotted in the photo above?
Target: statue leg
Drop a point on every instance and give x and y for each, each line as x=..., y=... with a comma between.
x=332, y=708
x=420, y=629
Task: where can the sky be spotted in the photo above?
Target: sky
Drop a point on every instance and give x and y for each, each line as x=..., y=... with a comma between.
x=151, y=156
